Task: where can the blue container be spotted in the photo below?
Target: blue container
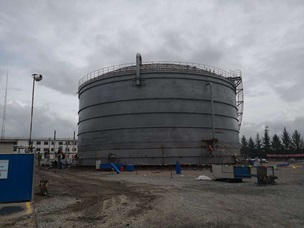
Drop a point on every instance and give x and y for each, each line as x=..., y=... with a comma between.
x=130, y=168
x=16, y=177
x=178, y=168
x=242, y=172
x=283, y=164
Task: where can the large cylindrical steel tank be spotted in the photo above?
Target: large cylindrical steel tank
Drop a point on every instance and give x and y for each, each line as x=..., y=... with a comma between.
x=158, y=113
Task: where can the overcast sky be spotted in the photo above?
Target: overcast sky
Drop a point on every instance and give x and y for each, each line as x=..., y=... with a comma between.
x=64, y=40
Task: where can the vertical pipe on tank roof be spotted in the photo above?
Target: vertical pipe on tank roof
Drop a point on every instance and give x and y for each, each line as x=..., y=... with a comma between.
x=138, y=64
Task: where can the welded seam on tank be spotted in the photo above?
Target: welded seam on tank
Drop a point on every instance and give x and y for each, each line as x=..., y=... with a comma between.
x=226, y=154
x=197, y=146
x=144, y=113
x=143, y=99
x=159, y=142
x=151, y=148
x=183, y=78
x=224, y=145
x=154, y=145
x=130, y=128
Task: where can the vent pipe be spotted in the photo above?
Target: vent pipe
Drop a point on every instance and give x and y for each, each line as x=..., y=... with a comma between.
x=138, y=64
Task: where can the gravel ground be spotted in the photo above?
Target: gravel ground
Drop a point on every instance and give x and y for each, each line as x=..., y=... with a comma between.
x=152, y=198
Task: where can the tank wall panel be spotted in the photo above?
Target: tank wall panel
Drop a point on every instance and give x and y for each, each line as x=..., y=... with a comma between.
x=155, y=120
x=157, y=157
x=186, y=88
x=151, y=138
x=156, y=105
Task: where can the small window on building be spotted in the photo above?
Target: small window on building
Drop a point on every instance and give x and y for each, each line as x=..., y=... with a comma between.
x=46, y=149
x=46, y=143
x=38, y=143
x=52, y=142
x=38, y=149
x=52, y=149
x=60, y=143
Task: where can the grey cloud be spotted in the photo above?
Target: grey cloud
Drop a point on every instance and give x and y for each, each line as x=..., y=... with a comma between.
x=68, y=40
x=250, y=129
x=290, y=68
x=45, y=121
x=2, y=79
x=251, y=91
x=60, y=76
x=291, y=125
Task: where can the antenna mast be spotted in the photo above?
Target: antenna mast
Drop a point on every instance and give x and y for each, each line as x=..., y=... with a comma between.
x=4, y=109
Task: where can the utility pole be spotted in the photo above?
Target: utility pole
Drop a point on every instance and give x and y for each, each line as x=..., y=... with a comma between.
x=4, y=109
x=54, y=143
x=73, y=144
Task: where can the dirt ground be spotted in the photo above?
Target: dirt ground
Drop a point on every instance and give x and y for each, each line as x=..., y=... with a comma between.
x=152, y=198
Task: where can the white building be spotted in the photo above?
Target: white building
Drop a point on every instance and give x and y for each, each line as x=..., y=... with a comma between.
x=43, y=145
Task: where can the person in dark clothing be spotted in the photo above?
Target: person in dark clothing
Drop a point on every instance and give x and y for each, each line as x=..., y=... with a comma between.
x=59, y=160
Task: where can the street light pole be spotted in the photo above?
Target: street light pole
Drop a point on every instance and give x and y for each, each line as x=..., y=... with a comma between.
x=36, y=77
x=212, y=114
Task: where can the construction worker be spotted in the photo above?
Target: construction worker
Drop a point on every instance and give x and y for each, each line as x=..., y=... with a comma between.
x=59, y=160
x=39, y=158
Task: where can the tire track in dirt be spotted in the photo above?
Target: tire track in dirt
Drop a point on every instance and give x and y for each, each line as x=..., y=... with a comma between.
x=89, y=200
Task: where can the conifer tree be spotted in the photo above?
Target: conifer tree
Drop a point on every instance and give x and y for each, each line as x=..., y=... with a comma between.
x=276, y=144
x=251, y=147
x=296, y=142
x=258, y=145
x=286, y=141
x=266, y=142
x=244, y=146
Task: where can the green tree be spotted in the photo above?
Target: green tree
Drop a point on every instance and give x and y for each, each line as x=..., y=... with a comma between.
x=244, y=146
x=251, y=147
x=276, y=144
x=286, y=141
x=258, y=145
x=266, y=142
x=296, y=142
